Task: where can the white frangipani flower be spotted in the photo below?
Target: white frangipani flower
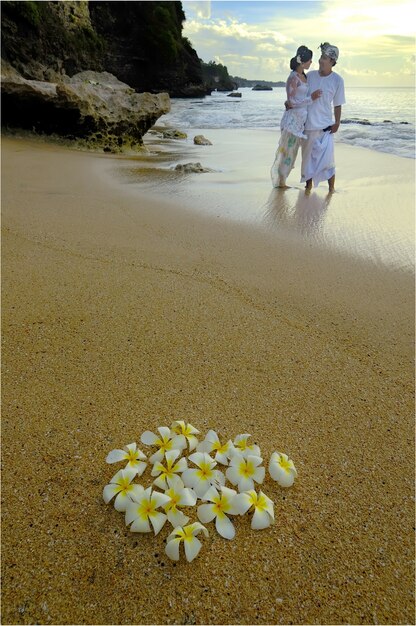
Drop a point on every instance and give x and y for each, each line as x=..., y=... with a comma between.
x=188, y=431
x=261, y=505
x=121, y=486
x=220, y=506
x=244, y=448
x=167, y=440
x=201, y=479
x=179, y=496
x=191, y=544
x=169, y=469
x=245, y=472
x=143, y=509
x=282, y=469
x=223, y=452
x=132, y=454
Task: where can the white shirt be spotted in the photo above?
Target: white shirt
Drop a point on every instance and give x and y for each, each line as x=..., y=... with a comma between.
x=321, y=110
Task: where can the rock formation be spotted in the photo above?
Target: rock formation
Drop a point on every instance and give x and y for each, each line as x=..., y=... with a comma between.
x=139, y=42
x=92, y=106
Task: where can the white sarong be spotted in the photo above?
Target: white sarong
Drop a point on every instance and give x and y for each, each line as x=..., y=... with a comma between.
x=318, y=162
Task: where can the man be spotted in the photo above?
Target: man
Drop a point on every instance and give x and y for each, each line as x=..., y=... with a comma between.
x=318, y=149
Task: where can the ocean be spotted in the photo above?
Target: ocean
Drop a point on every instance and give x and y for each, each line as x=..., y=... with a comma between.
x=378, y=118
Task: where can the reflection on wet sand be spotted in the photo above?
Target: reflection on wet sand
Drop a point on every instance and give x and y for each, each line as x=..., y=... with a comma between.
x=304, y=214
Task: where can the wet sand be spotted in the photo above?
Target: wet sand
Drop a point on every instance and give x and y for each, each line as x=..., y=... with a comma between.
x=122, y=312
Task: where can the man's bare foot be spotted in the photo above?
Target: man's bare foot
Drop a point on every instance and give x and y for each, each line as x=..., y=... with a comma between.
x=283, y=187
x=331, y=190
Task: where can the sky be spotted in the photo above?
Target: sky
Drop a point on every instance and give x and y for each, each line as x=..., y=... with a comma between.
x=256, y=39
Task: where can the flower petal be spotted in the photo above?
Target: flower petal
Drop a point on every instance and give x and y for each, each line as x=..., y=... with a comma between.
x=132, y=512
x=196, y=528
x=224, y=526
x=140, y=525
x=160, y=482
x=116, y=455
x=187, y=497
x=206, y=513
x=245, y=484
x=121, y=502
x=149, y=438
x=156, y=457
x=165, y=432
x=172, y=455
x=259, y=474
x=241, y=504
x=261, y=519
x=232, y=474
x=192, y=442
x=181, y=465
x=211, y=494
x=136, y=491
x=221, y=458
x=179, y=442
x=192, y=548
x=172, y=549
x=177, y=518
x=109, y=492
x=205, y=446
x=158, y=520
x=190, y=477
x=159, y=498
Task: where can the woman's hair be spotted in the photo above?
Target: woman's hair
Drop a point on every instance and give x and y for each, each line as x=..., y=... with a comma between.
x=303, y=54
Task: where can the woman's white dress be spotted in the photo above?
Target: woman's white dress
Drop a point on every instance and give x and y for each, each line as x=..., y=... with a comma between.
x=292, y=126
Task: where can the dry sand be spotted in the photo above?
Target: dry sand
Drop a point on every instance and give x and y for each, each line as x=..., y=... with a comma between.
x=121, y=314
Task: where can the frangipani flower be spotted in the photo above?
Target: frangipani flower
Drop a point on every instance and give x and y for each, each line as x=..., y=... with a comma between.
x=244, y=448
x=202, y=478
x=179, y=496
x=220, y=505
x=167, y=440
x=212, y=443
x=282, y=469
x=191, y=544
x=188, y=431
x=132, y=454
x=120, y=486
x=169, y=469
x=260, y=504
x=244, y=472
x=143, y=509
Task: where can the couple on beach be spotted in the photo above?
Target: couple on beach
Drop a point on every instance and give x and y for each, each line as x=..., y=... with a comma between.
x=307, y=120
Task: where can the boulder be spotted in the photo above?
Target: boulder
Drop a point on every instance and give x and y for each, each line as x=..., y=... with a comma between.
x=262, y=88
x=173, y=133
x=192, y=168
x=92, y=106
x=200, y=140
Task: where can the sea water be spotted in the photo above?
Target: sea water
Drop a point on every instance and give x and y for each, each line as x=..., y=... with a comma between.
x=379, y=118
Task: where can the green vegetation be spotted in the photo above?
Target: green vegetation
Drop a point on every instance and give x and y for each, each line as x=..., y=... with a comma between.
x=216, y=76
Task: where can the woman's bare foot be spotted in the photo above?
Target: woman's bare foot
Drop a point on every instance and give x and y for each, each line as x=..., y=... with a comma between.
x=308, y=186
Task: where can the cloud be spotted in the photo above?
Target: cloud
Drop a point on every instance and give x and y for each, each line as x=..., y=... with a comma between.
x=374, y=37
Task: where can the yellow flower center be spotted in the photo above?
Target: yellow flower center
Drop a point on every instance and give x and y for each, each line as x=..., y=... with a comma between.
x=164, y=445
x=204, y=471
x=222, y=449
x=285, y=465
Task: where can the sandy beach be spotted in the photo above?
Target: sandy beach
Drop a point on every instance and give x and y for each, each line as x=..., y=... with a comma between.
x=124, y=309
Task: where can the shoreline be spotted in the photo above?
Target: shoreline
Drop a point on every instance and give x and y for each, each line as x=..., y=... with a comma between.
x=123, y=311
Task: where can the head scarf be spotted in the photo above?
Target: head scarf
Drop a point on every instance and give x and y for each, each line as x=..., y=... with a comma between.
x=330, y=51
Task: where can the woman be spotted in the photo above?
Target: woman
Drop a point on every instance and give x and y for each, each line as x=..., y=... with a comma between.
x=293, y=120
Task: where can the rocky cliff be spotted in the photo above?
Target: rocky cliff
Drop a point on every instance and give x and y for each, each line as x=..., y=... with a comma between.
x=140, y=43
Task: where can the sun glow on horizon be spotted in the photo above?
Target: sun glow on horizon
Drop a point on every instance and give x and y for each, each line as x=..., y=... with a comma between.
x=257, y=39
